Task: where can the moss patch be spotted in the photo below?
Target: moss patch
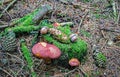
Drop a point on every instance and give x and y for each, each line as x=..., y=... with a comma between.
x=76, y=49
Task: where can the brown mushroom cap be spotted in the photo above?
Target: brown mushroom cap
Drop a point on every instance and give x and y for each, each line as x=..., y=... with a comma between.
x=74, y=62
x=45, y=50
x=44, y=30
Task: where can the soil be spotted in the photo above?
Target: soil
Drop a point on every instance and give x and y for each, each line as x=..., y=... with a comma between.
x=93, y=21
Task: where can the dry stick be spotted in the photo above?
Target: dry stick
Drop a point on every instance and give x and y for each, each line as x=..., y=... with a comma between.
x=81, y=22
x=9, y=15
x=15, y=57
x=19, y=70
x=112, y=30
x=83, y=72
x=71, y=71
x=103, y=34
x=75, y=70
x=55, y=9
x=114, y=9
x=3, y=26
x=106, y=40
x=5, y=1
x=104, y=44
x=2, y=22
x=118, y=17
x=6, y=72
x=7, y=7
x=20, y=60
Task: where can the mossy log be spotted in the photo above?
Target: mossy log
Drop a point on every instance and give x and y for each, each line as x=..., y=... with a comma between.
x=32, y=17
x=26, y=23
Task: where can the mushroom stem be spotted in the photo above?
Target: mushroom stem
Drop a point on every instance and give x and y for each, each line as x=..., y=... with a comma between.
x=47, y=61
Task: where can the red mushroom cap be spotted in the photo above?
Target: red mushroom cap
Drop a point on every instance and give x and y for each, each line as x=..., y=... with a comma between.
x=45, y=50
x=74, y=62
x=56, y=24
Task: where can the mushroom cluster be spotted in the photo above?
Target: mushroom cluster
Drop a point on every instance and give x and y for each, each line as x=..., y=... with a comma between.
x=46, y=51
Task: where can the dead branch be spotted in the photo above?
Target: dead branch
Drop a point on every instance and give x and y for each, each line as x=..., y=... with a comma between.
x=82, y=21
x=7, y=7
x=5, y=72
x=5, y=1
x=3, y=26
x=111, y=29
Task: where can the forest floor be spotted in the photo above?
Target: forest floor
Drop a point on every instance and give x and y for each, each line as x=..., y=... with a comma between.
x=96, y=23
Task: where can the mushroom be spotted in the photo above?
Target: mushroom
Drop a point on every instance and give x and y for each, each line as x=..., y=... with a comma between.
x=44, y=30
x=74, y=62
x=56, y=24
x=73, y=37
x=46, y=51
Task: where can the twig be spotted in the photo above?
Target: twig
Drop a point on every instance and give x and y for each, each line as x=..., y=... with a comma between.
x=55, y=9
x=103, y=34
x=16, y=57
x=78, y=68
x=118, y=31
x=118, y=17
x=114, y=10
x=114, y=47
x=83, y=72
x=3, y=26
x=5, y=1
x=20, y=70
x=81, y=22
x=2, y=22
x=71, y=71
x=104, y=44
x=9, y=15
x=7, y=7
x=6, y=72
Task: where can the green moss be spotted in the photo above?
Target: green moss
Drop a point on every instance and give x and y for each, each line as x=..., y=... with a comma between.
x=70, y=49
x=23, y=29
x=65, y=29
x=28, y=58
x=26, y=20
x=62, y=46
x=76, y=49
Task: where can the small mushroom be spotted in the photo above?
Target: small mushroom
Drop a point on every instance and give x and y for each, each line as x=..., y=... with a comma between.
x=74, y=62
x=46, y=51
x=73, y=37
x=56, y=24
x=44, y=30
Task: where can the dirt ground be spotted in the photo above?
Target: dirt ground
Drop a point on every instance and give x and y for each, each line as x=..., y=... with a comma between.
x=93, y=20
